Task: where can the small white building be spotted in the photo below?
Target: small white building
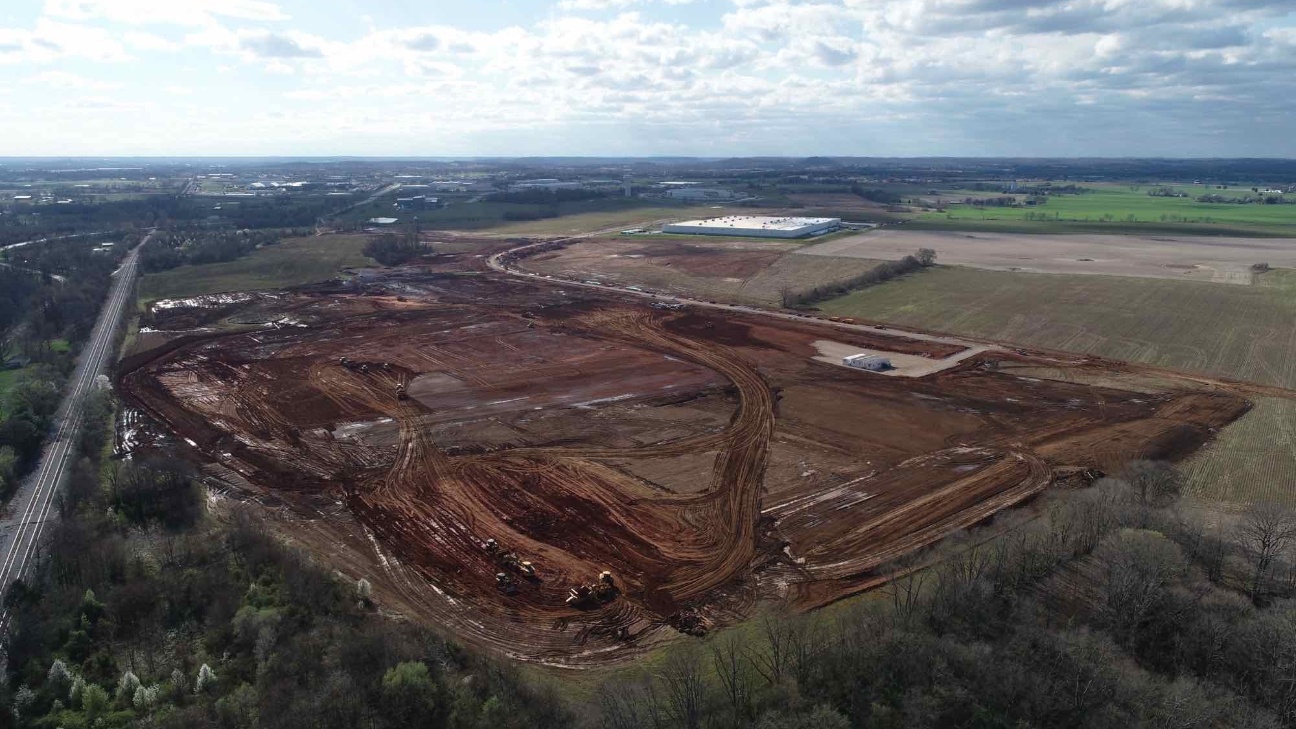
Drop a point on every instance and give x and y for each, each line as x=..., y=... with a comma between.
x=873, y=362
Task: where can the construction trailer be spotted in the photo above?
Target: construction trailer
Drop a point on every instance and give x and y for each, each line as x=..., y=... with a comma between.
x=872, y=362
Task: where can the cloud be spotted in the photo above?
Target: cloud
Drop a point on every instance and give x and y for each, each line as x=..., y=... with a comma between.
x=64, y=80
x=423, y=42
x=149, y=42
x=275, y=45
x=753, y=76
x=163, y=12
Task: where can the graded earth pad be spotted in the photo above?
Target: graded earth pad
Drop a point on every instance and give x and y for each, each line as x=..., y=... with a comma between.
x=704, y=458
x=1195, y=258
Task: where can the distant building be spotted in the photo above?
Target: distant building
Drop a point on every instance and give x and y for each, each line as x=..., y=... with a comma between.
x=416, y=202
x=546, y=185
x=755, y=226
x=700, y=193
x=872, y=362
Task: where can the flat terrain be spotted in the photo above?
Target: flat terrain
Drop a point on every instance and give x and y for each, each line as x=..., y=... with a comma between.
x=703, y=457
x=750, y=271
x=1242, y=332
x=1124, y=205
x=1246, y=333
x=1222, y=260
x=1252, y=460
x=293, y=262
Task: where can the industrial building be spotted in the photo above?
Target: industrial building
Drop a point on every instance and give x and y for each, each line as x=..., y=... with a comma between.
x=873, y=362
x=416, y=202
x=700, y=193
x=757, y=226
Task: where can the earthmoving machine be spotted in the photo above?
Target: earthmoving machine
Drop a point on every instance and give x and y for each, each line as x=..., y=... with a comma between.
x=600, y=591
x=344, y=362
x=505, y=583
x=400, y=393
x=491, y=546
x=513, y=562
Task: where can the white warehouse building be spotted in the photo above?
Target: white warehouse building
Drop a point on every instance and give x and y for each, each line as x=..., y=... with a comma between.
x=757, y=226
x=874, y=362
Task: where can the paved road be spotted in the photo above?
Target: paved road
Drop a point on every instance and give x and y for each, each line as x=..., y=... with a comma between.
x=23, y=519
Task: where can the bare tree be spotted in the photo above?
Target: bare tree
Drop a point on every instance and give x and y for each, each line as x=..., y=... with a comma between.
x=734, y=671
x=1138, y=570
x=771, y=662
x=1265, y=533
x=685, y=687
x=787, y=296
x=1155, y=484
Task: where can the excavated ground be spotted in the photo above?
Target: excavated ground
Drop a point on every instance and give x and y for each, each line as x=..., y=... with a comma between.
x=703, y=457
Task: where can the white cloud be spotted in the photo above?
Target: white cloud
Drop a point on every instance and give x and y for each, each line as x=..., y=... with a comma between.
x=64, y=80
x=993, y=74
x=150, y=42
x=174, y=12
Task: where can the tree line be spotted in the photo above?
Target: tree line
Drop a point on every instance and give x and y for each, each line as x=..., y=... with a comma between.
x=789, y=298
x=1109, y=606
x=147, y=610
x=194, y=245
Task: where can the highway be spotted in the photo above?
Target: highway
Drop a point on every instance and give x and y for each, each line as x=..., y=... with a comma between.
x=24, y=517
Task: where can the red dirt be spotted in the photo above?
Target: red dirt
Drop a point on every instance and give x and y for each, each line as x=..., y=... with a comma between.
x=569, y=426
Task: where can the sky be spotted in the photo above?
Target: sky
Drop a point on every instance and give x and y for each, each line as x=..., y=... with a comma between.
x=713, y=78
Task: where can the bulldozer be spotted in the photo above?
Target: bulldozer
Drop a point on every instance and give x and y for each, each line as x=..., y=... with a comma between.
x=505, y=584
x=587, y=595
x=515, y=563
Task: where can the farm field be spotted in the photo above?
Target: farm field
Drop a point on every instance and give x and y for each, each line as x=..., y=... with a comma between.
x=293, y=262
x=1251, y=460
x=844, y=205
x=1242, y=332
x=1222, y=260
x=750, y=271
x=577, y=222
x=1112, y=204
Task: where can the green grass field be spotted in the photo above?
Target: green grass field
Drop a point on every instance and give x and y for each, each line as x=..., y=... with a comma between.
x=1242, y=332
x=293, y=262
x=7, y=380
x=1121, y=208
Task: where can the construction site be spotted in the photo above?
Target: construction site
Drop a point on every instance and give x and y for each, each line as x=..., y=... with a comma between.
x=571, y=476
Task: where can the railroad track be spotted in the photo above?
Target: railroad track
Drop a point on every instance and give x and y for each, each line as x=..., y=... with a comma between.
x=28, y=511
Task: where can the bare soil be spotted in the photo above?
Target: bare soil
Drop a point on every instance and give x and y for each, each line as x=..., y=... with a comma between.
x=704, y=458
x=1195, y=258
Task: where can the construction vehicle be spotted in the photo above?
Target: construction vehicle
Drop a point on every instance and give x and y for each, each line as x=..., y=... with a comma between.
x=491, y=546
x=364, y=368
x=505, y=583
x=587, y=595
x=387, y=366
x=344, y=362
x=400, y=393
